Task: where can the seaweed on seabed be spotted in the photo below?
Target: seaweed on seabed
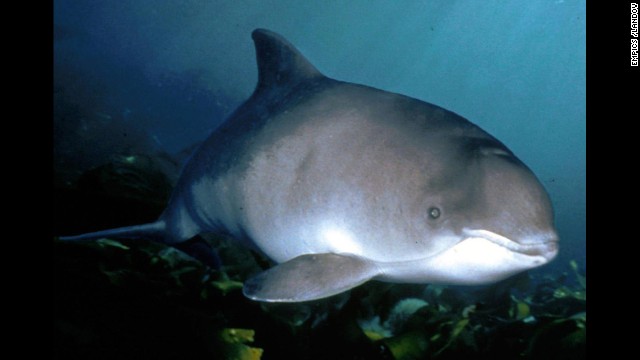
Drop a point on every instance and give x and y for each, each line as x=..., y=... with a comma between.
x=157, y=290
x=145, y=290
x=545, y=318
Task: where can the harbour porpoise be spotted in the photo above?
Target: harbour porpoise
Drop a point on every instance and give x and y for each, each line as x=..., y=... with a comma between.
x=341, y=183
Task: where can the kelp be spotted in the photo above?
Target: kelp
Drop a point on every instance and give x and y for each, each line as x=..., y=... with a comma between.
x=233, y=344
x=377, y=321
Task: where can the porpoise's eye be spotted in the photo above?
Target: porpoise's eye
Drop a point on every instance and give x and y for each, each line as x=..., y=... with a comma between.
x=434, y=213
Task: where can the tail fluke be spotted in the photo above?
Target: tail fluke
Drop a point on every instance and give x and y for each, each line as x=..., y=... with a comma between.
x=153, y=231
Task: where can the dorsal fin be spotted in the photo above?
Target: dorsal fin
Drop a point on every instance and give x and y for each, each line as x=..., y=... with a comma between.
x=280, y=64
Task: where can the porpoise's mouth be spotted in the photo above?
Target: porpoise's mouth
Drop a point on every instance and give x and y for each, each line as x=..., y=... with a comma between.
x=545, y=245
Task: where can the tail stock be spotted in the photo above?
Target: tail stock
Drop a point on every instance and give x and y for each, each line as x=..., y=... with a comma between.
x=152, y=231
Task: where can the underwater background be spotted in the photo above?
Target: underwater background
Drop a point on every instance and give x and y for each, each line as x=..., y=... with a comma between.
x=137, y=84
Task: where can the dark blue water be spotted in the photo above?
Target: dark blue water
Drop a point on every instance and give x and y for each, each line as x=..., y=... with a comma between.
x=145, y=74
